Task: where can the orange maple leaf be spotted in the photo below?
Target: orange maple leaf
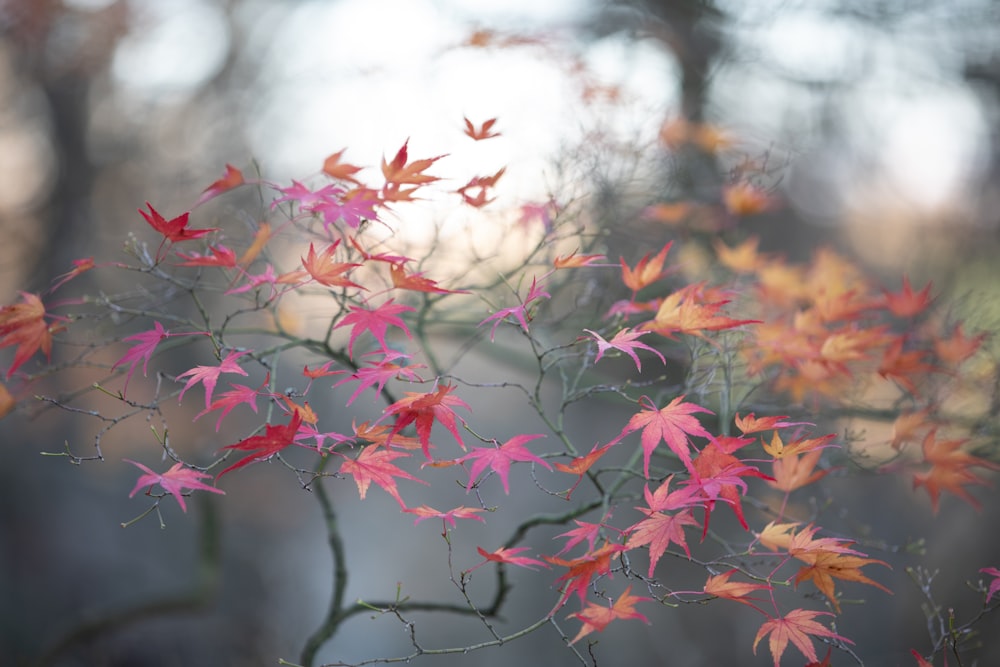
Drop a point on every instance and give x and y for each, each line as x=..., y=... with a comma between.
x=742, y=258
x=794, y=472
x=720, y=586
x=483, y=132
x=416, y=282
x=597, y=616
x=901, y=366
x=822, y=567
x=233, y=178
x=958, y=347
x=341, y=171
x=950, y=470
x=24, y=325
x=583, y=570
x=647, y=271
x=685, y=312
x=778, y=449
x=746, y=199
x=795, y=626
x=906, y=302
x=399, y=172
x=574, y=261
x=325, y=271
x=480, y=185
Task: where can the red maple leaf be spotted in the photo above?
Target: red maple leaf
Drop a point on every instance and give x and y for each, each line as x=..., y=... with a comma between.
x=500, y=457
x=423, y=409
x=795, y=626
x=173, y=481
x=671, y=424
x=597, y=616
x=483, y=131
x=374, y=464
x=376, y=321
x=175, y=230
x=719, y=476
x=583, y=570
x=274, y=439
x=24, y=325
x=220, y=256
x=79, y=266
x=907, y=303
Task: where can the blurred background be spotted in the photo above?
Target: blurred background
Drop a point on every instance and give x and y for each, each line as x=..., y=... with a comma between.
x=875, y=124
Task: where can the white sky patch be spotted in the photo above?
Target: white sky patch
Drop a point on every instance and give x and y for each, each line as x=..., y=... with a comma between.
x=930, y=150
x=176, y=46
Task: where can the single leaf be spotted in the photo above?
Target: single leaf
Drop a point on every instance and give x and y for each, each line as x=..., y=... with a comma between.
x=274, y=439
x=950, y=470
x=658, y=530
x=907, y=303
x=671, y=424
x=519, y=311
x=500, y=457
x=624, y=341
x=79, y=266
x=238, y=394
x=209, y=375
x=376, y=321
x=720, y=586
x=374, y=464
x=342, y=171
x=581, y=571
x=175, y=480
x=23, y=324
x=509, y=555
x=573, y=260
x=796, y=626
x=647, y=271
x=481, y=132
x=994, y=587
x=754, y=424
x=324, y=270
x=175, y=230
x=416, y=282
x=425, y=512
x=793, y=472
x=596, y=616
x=220, y=256
x=233, y=178
x=377, y=374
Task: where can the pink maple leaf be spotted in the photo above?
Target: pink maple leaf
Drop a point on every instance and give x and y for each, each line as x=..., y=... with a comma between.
x=173, y=481
x=499, y=458
x=994, y=585
x=376, y=321
x=381, y=372
x=425, y=512
x=374, y=464
x=238, y=394
x=147, y=342
x=220, y=256
x=625, y=341
x=508, y=555
x=209, y=375
x=519, y=311
x=671, y=424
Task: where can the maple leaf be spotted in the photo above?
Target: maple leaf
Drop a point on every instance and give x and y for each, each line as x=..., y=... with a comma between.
x=795, y=626
x=994, y=585
x=647, y=271
x=324, y=270
x=173, y=481
x=352, y=207
x=23, y=324
x=500, y=457
x=508, y=555
x=689, y=311
x=900, y=365
x=425, y=512
x=274, y=439
x=584, y=531
x=233, y=178
x=220, y=256
x=175, y=230
x=658, y=530
x=480, y=185
x=342, y=171
x=624, y=341
x=950, y=470
x=956, y=348
x=519, y=311
x=746, y=199
x=573, y=260
x=209, y=375
x=583, y=570
x=906, y=303
x=374, y=464
x=794, y=472
x=381, y=372
x=753, y=424
x=399, y=172
x=143, y=349
x=778, y=449
x=79, y=266
x=483, y=132
x=672, y=424
x=238, y=394
x=422, y=409
x=376, y=321
x=822, y=567
x=581, y=464
x=260, y=239
x=416, y=282
x=742, y=258
x=597, y=616
x=383, y=435
x=718, y=475
x=720, y=586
